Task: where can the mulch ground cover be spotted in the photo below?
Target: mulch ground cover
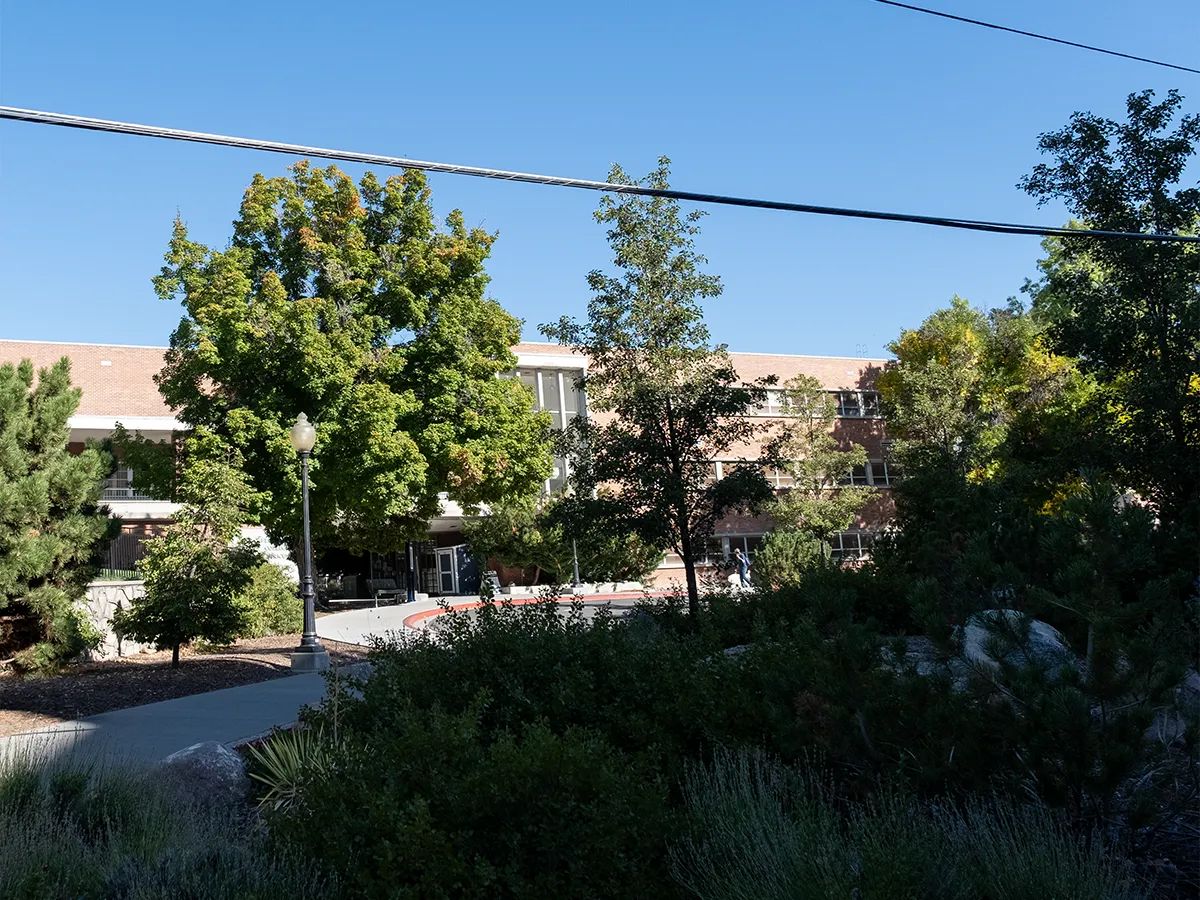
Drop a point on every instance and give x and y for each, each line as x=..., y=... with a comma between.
x=86, y=689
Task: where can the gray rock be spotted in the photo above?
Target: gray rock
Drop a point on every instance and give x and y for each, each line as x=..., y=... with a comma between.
x=738, y=650
x=208, y=773
x=1045, y=646
x=921, y=654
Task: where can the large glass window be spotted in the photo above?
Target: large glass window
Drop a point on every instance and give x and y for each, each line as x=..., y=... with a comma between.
x=850, y=544
x=857, y=475
x=848, y=404
x=550, y=399
x=554, y=392
x=857, y=404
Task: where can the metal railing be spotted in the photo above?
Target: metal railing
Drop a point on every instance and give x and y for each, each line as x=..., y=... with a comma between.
x=121, y=559
x=119, y=486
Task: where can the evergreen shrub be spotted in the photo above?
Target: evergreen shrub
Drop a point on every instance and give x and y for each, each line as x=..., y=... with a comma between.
x=434, y=804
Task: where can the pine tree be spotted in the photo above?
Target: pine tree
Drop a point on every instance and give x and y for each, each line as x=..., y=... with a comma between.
x=52, y=526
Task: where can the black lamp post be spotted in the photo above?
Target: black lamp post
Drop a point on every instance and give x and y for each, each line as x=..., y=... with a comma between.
x=310, y=656
x=575, y=564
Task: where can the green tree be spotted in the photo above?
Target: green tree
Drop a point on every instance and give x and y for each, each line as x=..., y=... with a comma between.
x=1130, y=310
x=349, y=304
x=52, y=525
x=534, y=533
x=668, y=404
x=986, y=423
x=816, y=504
x=195, y=574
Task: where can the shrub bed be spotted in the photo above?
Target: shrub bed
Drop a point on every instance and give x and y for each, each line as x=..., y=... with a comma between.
x=68, y=830
x=523, y=754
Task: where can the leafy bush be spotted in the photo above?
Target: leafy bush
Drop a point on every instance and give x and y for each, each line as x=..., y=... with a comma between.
x=531, y=533
x=429, y=804
x=69, y=830
x=645, y=691
x=272, y=603
x=71, y=632
x=765, y=831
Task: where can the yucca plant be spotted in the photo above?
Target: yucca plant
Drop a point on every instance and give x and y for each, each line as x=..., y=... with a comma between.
x=285, y=761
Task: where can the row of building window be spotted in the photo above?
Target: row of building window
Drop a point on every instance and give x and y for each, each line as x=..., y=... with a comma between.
x=876, y=473
x=850, y=404
x=844, y=545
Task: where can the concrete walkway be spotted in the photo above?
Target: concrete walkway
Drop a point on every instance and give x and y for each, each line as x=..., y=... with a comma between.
x=151, y=732
x=148, y=733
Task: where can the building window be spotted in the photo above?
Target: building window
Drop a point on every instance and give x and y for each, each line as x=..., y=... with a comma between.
x=883, y=473
x=845, y=545
x=774, y=404
x=857, y=404
x=857, y=475
x=555, y=392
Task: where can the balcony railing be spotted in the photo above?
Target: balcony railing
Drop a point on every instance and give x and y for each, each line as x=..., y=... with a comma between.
x=119, y=486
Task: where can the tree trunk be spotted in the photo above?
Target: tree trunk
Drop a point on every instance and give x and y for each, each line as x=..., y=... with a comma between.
x=689, y=569
x=175, y=657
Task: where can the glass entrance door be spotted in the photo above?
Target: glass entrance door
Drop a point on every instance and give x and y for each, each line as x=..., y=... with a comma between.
x=447, y=571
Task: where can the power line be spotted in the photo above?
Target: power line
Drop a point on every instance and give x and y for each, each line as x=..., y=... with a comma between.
x=50, y=118
x=1040, y=37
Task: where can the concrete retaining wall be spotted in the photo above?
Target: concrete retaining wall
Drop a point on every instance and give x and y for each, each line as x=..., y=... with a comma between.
x=104, y=598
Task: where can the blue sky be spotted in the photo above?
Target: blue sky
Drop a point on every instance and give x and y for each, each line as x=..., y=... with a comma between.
x=839, y=102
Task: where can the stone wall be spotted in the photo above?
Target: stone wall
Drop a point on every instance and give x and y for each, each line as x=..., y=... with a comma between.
x=103, y=598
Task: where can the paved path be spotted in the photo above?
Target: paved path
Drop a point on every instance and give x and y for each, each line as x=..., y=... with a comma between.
x=151, y=732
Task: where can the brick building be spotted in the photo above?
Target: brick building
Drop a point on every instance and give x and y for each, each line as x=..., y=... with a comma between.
x=118, y=386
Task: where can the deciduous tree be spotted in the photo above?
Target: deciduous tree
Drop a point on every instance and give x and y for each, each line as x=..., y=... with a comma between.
x=1130, y=310
x=196, y=571
x=551, y=534
x=349, y=304
x=667, y=402
x=818, y=501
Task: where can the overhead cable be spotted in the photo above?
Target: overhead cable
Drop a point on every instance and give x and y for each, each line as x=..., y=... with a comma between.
x=1040, y=37
x=51, y=118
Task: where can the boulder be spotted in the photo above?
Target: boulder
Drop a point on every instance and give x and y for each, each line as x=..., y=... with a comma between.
x=922, y=655
x=1045, y=646
x=208, y=774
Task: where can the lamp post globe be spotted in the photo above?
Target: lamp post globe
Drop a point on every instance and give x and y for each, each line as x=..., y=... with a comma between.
x=310, y=656
x=304, y=436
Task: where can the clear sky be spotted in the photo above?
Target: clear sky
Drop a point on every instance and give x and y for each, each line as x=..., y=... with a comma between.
x=838, y=102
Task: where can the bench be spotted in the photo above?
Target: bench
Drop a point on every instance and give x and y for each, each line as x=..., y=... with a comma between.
x=384, y=589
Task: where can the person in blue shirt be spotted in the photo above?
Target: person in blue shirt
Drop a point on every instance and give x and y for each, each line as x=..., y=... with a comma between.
x=743, y=567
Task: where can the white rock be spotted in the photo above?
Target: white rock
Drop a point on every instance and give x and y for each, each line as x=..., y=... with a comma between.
x=208, y=773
